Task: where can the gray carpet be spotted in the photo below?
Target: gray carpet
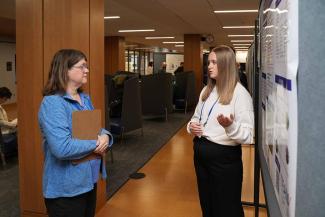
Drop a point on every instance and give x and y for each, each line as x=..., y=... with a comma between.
x=9, y=189
x=129, y=156
x=135, y=150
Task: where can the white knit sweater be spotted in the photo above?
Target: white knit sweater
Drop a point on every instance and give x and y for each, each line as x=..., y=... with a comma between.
x=241, y=131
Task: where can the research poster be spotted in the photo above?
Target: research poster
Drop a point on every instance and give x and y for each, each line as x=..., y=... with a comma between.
x=279, y=65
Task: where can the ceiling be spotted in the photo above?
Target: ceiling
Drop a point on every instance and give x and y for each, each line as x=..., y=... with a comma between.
x=178, y=17
x=167, y=17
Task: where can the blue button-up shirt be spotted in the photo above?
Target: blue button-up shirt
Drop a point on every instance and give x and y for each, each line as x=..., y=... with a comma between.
x=61, y=178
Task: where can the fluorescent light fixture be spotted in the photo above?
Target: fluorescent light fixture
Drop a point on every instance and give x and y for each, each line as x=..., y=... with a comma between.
x=131, y=45
x=142, y=48
x=268, y=27
x=235, y=11
x=275, y=10
x=241, y=44
x=238, y=27
x=242, y=40
x=162, y=37
x=240, y=35
x=112, y=17
x=179, y=45
x=137, y=30
x=173, y=42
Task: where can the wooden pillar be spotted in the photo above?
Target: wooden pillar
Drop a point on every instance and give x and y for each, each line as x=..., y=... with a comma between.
x=114, y=54
x=193, y=58
x=42, y=28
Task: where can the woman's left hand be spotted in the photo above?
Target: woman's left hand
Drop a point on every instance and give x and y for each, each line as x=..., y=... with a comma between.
x=225, y=121
x=102, y=144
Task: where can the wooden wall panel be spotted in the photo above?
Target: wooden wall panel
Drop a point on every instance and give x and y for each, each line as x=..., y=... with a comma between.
x=29, y=52
x=193, y=58
x=96, y=74
x=66, y=25
x=114, y=54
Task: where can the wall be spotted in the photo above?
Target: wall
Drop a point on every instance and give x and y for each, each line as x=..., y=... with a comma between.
x=241, y=56
x=173, y=61
x=8, y=78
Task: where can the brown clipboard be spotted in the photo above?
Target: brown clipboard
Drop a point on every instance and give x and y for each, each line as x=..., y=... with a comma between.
x=86, y=125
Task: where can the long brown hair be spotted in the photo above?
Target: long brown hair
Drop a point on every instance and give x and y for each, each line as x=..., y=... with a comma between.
x=227, y=75
x=62, y=62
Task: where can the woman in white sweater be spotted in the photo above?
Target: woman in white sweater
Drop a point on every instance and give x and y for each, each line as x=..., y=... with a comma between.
x=223, y=120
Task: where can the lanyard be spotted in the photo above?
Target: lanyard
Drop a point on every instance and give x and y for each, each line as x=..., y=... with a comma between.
x=208, y=113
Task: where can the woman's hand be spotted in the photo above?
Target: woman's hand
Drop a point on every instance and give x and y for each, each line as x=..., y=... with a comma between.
x=225, y=121
x=196, y=129
x=102, y=144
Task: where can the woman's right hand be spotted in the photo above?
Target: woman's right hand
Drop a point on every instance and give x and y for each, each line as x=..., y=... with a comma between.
x=102, y=144
x=196, y=129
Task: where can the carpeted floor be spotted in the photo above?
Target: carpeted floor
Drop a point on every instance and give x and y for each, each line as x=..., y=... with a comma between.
x=9, y=189
x=129, y=156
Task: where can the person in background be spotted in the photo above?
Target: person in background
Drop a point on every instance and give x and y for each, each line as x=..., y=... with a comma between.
x=69, y=189
x=163, y=67
x=180, y=68
x=150, y=68
x=242, y=75
x=223, y=119
x=8, y=128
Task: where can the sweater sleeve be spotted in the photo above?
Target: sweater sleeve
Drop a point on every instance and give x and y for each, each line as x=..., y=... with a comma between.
x=55, y=127
x=242, y=128
x=196, y=115
x=9, y=124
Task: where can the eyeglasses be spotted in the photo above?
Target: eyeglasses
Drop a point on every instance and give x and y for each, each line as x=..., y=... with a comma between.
x=82, y=67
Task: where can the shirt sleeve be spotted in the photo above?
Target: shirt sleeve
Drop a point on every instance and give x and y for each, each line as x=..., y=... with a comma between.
x=9, y=124
x=104, y=131
x=54, y=123
x=196, y=115
x=242, y=128
x=4, y=122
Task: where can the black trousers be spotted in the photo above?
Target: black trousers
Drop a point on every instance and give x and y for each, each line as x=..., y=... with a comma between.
x=83, y=205
x=219, y=171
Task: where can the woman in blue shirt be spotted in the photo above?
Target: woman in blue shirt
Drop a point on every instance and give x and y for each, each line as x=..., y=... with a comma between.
x=69, y=189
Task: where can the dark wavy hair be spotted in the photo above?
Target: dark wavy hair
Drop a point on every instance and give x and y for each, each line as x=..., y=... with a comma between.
x=62, y=62
x=5, y=92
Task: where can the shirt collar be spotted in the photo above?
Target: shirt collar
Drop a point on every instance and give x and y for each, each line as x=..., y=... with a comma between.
x=82, y=96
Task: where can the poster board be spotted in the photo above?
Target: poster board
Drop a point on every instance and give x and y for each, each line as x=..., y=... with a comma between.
x=278, y=98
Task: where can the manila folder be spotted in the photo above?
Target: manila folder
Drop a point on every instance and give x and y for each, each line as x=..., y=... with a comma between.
x=86, y=125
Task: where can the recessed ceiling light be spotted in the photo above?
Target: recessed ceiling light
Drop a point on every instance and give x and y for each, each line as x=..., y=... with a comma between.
x=179, y=45
x=143, y=48
x=162, y=37
x=241, y=44
x=173, y=42
x=242, y=40
x=112, y=17
x=240, y=35
x=236, y=11
x=137, y=30
x=238, y=27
